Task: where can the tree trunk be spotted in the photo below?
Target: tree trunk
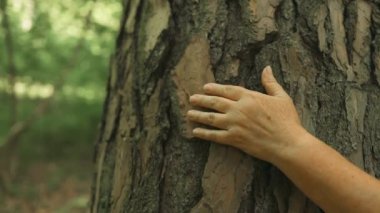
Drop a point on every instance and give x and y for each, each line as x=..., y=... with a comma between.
x=326, y=54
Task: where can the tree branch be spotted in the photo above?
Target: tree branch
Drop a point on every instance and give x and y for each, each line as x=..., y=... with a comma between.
x=8, y=40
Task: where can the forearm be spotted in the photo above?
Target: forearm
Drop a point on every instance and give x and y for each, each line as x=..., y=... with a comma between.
x=328, y=178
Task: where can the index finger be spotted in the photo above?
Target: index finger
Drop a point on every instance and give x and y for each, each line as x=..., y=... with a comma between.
x=227, y=91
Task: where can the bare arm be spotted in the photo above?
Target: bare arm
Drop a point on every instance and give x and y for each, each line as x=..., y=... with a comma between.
x=268, y=127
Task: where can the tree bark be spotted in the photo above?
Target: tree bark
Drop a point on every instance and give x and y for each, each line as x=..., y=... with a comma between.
x=325, y=53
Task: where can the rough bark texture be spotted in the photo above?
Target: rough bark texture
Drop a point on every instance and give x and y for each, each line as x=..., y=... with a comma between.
x=326, y=53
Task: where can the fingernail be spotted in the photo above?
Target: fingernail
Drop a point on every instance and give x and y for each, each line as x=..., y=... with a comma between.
x=207, y=86
x=188, y=114
x=268, y=69
x=195, y=131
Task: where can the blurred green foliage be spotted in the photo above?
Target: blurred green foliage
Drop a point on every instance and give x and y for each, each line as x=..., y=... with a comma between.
x=45, y=35
x=54, y=156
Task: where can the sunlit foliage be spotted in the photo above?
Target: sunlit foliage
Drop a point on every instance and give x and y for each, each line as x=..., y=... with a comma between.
x=52, y=45
x=45, y=35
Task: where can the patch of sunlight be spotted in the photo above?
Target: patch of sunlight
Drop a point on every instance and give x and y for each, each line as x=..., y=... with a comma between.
x=17, y=4
x=72, y=31
x=69, y=23
x=25, y=10
x=82, y=93
x=66, y=23
x=26, y=24
x=107, y=14
x=35, y=90
x=27, y=89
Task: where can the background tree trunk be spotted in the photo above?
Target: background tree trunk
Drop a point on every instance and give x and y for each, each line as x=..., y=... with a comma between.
x=325, y=53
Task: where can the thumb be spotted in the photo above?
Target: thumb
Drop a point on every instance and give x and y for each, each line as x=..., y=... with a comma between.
x=270, y=83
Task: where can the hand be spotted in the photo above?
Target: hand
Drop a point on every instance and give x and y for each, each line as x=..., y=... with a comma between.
x=258, y=124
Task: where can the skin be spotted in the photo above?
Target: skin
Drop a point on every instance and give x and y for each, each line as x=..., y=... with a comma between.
x=267, y=126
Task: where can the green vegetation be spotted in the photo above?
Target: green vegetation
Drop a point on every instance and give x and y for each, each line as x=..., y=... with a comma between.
x=61, y=53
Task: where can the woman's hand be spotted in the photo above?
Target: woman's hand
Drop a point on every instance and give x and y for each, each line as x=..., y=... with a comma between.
x=268, y=127
x=258, y=124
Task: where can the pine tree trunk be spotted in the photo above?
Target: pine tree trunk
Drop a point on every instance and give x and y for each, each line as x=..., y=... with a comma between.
x=325, y=53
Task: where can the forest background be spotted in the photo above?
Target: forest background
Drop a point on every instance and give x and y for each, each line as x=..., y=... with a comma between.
x=53, y=71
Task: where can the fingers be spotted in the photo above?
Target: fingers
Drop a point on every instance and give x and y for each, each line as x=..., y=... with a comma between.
x=217, y=120
x=211, y=102
x=227, y=91
x=270, y=83
x=219, y=136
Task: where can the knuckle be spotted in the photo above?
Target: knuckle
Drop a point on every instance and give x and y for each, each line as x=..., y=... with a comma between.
x=249, y=101
x=227, y=105
x=213, y=102
x=229, y=136
x=233, y=131
x=227, y=89
x=247, y=96
x=218, y=104
x=211, y=118
x=236, y=134
x=222, y=105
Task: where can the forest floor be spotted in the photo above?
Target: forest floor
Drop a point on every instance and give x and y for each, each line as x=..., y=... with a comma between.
x=54, y=186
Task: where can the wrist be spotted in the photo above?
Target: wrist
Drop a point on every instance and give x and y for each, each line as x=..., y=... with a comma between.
x=293, y=143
